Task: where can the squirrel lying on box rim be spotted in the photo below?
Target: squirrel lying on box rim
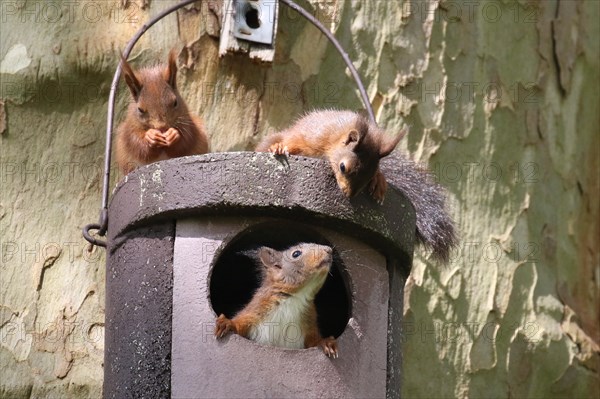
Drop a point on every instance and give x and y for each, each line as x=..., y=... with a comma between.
x=359, y=154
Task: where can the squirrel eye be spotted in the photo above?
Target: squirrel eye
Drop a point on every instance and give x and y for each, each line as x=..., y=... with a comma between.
x=175, y=103
x=342, y=167
x=141, y=110
x=296, y=254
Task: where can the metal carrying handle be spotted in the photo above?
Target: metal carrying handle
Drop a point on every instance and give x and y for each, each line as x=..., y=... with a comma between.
x=102, y=226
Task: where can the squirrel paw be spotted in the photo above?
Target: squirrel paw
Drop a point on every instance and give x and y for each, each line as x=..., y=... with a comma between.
x=171, y=136
x=378, y=187
x=329, y=346
x=154, y=138
x=279, y=149
x=224, y=325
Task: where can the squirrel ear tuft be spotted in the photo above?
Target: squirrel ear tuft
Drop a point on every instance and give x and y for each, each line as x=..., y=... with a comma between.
x=268, y=256
x=353, y=137
x=170, y=72
x=361, y=130
x=388, y=145
x=135, y=87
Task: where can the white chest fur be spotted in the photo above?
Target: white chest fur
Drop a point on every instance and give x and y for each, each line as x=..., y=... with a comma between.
x=284, y=326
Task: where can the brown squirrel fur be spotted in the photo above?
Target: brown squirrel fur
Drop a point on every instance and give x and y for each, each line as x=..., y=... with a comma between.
x=343, y=136
x=347, y=139
x=158, y=124
x=282, y=311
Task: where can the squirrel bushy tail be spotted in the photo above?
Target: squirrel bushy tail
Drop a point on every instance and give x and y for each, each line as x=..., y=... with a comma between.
x=435, y=227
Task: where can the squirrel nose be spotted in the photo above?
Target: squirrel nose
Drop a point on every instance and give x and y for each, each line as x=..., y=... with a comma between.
x=160, y=125
x=327, y=252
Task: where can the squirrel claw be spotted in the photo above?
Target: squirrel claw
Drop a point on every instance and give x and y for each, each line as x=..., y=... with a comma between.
x=223, y=326
x=279, y=149
x=378, y=187
x=154, y=138
x=171, y=136
x=329, y=346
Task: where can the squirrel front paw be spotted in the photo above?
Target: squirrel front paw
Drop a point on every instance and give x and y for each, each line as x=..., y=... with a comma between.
x=171, y=136
x=224, y=325
x=154, y=138
x=329, y=346
x=378, y=187
x=279, y=149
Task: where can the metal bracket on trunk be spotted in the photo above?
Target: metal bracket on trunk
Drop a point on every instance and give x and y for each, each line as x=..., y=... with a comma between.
x=255, y=20
x=250, y=27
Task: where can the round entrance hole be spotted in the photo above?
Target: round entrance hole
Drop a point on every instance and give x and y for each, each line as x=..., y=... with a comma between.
x=235, y=277
x=252, y=17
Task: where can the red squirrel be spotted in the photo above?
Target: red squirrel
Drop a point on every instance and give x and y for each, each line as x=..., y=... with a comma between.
x=355, y=148
x=282, y=311
x=351, y=143
x=158, y=124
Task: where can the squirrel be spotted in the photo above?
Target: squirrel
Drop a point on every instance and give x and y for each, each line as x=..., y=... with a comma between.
x=158, y=124
x=351, y=143
x=354, y=147
x=282, y=311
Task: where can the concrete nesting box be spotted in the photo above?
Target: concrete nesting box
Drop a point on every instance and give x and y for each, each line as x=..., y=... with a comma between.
x=177, y=232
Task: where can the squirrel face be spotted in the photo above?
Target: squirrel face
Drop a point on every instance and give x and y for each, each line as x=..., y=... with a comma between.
x=352, y=172
x=303, y=266
x=355, y=158
x=158, y=104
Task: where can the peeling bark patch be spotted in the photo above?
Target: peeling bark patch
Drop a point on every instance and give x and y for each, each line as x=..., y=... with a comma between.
x=15, y=59
x=141, y=4
x=565, y=34
x=2, y=118
x=56, y=339
x=256, y=120
x=588, y=351
x=48, y=262
x=519, y=364
x=483, y=352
